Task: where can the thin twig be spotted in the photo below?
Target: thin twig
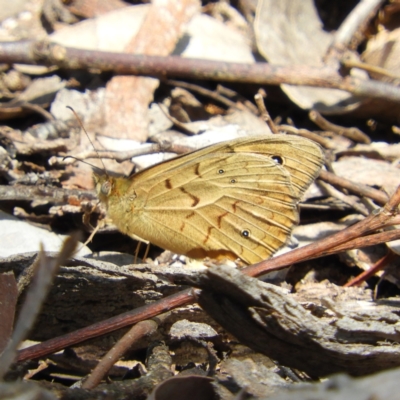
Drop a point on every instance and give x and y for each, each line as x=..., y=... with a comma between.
x=357, y=188
x=350, y=63
x=38, y=109
x=259, y=99
x=325, y=143
x=351, y=133
x=363, y=241
x=204, y=92
x=381, y=264
x=351, y=201
x=141, y=329
x=176, y=122
x=229, y=93
x=119, y=156
x=110, y=325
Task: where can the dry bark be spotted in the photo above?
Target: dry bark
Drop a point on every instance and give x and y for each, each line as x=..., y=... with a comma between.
x=358, y=341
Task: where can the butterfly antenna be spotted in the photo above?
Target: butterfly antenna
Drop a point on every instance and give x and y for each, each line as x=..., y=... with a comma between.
x=90, y=140
x=80, y=160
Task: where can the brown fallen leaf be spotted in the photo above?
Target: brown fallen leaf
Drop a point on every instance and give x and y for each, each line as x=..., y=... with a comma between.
x=128, y=97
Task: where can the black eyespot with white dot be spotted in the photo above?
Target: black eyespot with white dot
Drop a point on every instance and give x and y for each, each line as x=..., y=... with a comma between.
x=221, y=171
x=277, y=159
x=245, y=233
x=233, y=180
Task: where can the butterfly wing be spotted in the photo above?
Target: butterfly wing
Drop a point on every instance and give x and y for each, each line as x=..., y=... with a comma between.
x=302, y=158
x=232, y=199
x=220, y=205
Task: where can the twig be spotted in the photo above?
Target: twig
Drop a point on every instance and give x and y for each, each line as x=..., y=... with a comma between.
x=351, y=201
x=44, y=193
x=389, y=257
x=364, y=241
x=229, y=93
x=36, y=108
x=139, y=330
x=351, y=133
x=119, y=156
x=110, y=325
x=327, y=144
x=176, y=122
x=204, y=92
x=259, y=99
x=350, y=63
x=44, y=53
x=357, y=188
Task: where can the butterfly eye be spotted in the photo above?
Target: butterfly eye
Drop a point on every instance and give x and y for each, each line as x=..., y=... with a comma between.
x=245, y=233
x=106, y=188
x=277, y=159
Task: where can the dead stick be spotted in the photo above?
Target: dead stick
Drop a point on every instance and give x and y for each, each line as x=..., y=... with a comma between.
x=382, y=263
x=364, y=241
x=110, y=325
x=138, y=331
x=45, y=53
x=352, y=133
x=357, y=188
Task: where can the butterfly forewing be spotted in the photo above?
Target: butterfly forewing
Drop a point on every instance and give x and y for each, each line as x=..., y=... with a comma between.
x=301, y=157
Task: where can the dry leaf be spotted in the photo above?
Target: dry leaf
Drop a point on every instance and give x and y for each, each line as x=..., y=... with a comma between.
x=383, y=50
x=369, y=172
x=290, y=33
x=128, y=97
x=20, y=237
x=41, y=91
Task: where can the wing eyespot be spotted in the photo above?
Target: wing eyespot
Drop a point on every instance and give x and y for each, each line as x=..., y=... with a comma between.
x=245, y=233
x=221, y=171
x=233, y=180
x=278, y=160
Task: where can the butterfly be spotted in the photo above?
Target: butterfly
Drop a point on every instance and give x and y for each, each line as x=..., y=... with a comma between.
x=235, y=199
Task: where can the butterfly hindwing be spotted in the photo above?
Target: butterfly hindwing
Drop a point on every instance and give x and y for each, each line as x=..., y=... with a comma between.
x=237, y=205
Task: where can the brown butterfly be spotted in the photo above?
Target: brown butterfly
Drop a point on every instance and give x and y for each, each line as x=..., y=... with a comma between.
x=236, y=199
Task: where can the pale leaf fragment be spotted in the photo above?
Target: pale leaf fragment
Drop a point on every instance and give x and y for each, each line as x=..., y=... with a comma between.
x=383, y=50
x=290, y=33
